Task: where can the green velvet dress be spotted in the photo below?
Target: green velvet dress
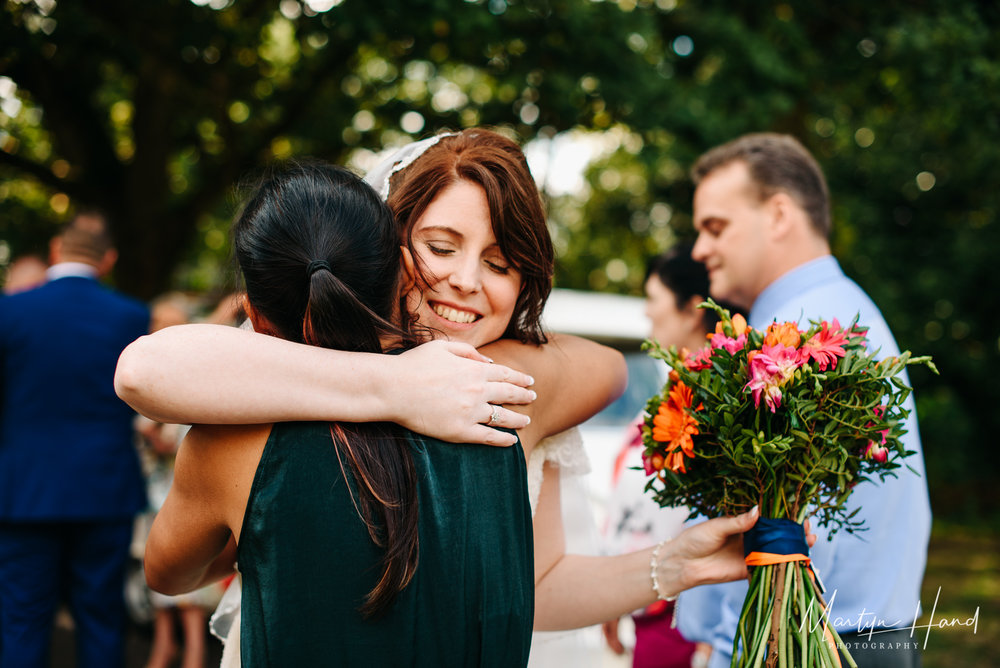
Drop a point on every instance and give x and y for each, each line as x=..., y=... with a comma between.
x=307, y=560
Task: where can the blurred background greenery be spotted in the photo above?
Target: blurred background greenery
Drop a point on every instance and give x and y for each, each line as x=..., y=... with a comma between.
x=152, y=110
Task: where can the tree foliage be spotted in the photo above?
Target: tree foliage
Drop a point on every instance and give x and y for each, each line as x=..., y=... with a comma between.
x=151, y=110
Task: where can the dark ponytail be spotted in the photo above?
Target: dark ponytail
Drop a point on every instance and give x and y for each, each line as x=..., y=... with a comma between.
x=319, y=253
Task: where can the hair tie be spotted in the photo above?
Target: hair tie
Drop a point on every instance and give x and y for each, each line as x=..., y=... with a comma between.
x=316, y=265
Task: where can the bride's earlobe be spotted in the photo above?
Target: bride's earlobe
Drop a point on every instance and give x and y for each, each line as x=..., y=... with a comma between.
x=408, y=271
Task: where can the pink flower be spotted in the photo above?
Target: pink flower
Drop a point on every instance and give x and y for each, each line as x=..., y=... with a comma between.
x=652, y=464
x=877, y=451
x=703, y=358
x=770, y=368
x=825, y=346
x=728, y=343
x=700, y=360
x=772, y=396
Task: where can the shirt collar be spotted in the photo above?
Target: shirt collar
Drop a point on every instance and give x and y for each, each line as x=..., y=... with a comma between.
x=804, y=277
x=68, y=269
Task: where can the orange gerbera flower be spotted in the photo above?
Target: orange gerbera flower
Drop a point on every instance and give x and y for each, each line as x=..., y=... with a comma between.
x=786, y=333
x=674, y=426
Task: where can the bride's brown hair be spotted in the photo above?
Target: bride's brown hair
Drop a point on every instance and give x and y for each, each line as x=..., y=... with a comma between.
x=497, y=165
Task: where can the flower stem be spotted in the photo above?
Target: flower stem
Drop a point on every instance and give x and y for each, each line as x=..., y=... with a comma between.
x=803, y=612
x=784, y=646
x=824, y=628
x=777, y=608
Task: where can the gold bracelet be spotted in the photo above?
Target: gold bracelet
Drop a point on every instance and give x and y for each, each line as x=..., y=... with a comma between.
x=653, y=563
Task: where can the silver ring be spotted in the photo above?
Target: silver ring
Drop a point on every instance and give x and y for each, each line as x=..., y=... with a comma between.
x=494, y=416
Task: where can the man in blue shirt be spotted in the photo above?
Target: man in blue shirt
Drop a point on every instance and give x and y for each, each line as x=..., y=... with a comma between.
x=762, y=213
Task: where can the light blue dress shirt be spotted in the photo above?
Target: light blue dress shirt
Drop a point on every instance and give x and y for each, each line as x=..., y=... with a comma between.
x=872, y=577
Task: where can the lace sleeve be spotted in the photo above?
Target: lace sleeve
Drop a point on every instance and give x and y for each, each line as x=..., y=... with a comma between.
x=564, y=450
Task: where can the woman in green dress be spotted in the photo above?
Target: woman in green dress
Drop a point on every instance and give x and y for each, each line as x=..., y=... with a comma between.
x=354, y=539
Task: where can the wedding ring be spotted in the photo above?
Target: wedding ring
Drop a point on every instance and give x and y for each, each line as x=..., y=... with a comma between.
x=494, y=416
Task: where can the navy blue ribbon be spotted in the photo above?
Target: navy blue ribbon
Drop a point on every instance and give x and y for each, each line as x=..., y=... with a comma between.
x=775, y=536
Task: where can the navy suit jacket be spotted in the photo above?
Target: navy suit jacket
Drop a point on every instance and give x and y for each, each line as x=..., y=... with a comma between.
x=66, y=445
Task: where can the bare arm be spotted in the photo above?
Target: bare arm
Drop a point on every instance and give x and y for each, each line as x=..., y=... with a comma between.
x=577, y=591
x=210, y=374
x=575, y=378
x=193, y=539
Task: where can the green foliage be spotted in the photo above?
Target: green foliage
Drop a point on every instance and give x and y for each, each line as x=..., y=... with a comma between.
x=152, y=110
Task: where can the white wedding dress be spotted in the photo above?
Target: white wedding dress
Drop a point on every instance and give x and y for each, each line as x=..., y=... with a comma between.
x=548, y=648
x=555, y=649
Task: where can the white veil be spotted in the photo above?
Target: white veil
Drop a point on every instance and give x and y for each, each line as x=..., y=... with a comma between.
x=378, y=177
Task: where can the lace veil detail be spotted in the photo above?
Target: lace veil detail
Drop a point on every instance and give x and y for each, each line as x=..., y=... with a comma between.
x=378, y=177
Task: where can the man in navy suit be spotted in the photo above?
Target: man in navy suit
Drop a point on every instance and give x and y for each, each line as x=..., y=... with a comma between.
x=70, y=481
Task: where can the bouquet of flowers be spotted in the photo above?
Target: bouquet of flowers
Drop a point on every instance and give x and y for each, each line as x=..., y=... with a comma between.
x=789, y=420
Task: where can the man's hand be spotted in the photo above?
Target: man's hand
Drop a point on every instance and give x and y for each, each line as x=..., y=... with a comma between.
x=455, y=394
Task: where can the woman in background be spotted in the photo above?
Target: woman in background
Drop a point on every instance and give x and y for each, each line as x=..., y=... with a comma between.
x=675, y=285
x=158, y=448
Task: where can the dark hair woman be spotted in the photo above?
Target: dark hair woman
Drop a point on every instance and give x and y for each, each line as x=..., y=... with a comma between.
x=332, y=519
x=675, y=285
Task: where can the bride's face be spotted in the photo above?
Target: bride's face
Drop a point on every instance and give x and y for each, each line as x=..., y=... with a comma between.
x=472, y=288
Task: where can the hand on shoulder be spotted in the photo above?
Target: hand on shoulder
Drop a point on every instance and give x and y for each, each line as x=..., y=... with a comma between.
x=448, y=390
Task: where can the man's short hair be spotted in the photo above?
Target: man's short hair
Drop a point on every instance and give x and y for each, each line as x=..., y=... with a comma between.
x=776, y=163
x=87, y=236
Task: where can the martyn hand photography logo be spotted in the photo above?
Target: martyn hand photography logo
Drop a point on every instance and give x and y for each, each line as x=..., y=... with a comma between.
x=867, y=625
